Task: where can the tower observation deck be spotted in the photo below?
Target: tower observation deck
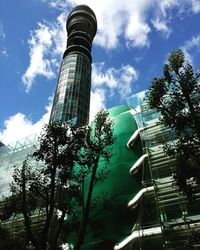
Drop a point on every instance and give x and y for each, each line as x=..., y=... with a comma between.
x=72, y=97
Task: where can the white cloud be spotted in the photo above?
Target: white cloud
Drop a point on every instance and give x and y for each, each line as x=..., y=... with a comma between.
x=117, y=18
x=165, y=5
x=193, y=43
x=196, y=6
x=114, y=79
x=109, y=83
x=128, y=75
x=162, y=27
x=130, y=19
x=136, y=32
x=4, y=52
x=58, y=4
x=162, y=15
x=2, y=33
x=97, y=101
x=46, y=44
x=19, y=126
x=101, y=76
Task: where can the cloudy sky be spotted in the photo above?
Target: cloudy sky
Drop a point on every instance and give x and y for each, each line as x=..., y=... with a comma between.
x=133, y=40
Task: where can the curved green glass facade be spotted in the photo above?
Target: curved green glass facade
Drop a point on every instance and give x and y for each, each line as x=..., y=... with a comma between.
x=117, y=220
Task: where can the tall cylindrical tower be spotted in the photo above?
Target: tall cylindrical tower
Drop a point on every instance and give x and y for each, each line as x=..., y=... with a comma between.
x=72, y=97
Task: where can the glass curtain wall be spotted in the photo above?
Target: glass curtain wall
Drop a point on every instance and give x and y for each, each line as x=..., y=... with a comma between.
x=72, y=97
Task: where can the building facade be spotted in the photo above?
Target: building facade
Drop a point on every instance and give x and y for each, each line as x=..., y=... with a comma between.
x=166, y=219
x=149, y=211
x=72, y=96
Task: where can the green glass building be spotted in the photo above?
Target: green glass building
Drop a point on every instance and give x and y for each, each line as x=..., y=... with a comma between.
x=72, y=97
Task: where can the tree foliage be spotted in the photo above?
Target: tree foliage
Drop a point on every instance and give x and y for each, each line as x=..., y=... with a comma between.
x=97, y=145
x=41, y=188
x=176, y=96
x=50, y=185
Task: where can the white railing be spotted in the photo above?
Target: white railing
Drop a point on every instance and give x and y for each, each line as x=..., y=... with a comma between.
x=134, y=169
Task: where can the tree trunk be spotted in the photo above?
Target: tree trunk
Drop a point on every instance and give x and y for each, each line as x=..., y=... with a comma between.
x=84, y=223
x=25, y=212
x=57, y=234
x=45, y=231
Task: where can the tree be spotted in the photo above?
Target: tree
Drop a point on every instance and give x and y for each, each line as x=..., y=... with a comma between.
x=52, y=184
x=42, y=190
x=176, y=96
x=10, y=241
x=97, y=146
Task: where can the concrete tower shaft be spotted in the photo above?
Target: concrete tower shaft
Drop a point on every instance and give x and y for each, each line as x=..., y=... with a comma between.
x=72, y=97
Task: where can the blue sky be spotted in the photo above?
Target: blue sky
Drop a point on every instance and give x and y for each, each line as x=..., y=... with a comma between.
x=132, y=43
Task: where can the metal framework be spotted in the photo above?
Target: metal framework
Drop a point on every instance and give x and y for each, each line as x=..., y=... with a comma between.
x=178, y=219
